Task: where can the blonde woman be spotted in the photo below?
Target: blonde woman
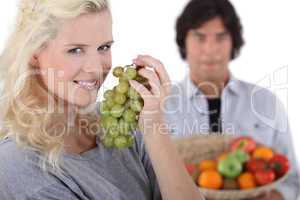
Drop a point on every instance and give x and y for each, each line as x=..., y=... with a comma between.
x=52, y=67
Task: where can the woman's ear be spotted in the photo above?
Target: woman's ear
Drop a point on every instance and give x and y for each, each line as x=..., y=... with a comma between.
x=34, y=61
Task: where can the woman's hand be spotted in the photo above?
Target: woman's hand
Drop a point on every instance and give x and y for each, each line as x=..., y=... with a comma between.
x=173, y=179
x=151, y=117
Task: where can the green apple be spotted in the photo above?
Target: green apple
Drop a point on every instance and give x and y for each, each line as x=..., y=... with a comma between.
x=230, y=167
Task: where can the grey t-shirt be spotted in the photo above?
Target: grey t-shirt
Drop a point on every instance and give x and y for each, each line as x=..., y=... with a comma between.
x=100, y=174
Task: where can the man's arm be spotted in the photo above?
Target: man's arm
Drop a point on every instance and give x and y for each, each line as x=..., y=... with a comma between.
x=290, y=188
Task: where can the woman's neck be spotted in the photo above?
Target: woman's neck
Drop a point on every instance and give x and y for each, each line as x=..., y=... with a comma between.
x=80, y=137
x=79, y=143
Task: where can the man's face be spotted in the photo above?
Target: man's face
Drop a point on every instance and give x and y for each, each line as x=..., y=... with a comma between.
x=208, y=51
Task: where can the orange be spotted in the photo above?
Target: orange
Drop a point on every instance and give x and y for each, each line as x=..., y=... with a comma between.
x=246, y=181
x=207, y=164
x=210, y=179
x=264, y=153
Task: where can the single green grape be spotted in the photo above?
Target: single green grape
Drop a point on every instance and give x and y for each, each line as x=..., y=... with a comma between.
x=130, y=73
x=108, y=103
x=108, y=95
x=123, y=79
x=122, y=87
x=114, y=132
x=108, y=141
x=129, y=115
x=118, y=71
x=136, y=105
x=133, y=94
x=120, y=142
x=130, y=140
x=109, y=122
x=117, y=110
x=104, y=109
x=119, y=98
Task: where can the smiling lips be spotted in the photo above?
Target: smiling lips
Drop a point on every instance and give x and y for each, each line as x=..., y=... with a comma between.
x=88, y=84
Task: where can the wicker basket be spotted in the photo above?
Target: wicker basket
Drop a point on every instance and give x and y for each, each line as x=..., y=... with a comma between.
x=200, y=147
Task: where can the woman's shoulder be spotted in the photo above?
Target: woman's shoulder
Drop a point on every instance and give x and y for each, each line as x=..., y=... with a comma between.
x=19, y=171
x=12, y=154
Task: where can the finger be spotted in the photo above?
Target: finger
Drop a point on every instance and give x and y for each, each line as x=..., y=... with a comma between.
x=150, y=75
x=153, y=80
x=144, y=92
x=146, y=60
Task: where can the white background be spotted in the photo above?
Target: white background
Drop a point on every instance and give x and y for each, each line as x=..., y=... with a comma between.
x=271, y=53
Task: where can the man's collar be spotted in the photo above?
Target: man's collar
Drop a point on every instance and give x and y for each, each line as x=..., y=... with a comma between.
x=192, y=90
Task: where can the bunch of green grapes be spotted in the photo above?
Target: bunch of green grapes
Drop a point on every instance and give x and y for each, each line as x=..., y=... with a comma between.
x=120, y=108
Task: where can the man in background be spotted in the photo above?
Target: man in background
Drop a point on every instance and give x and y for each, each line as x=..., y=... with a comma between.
x=210, y=99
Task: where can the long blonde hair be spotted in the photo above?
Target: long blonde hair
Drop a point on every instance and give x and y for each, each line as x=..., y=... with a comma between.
x=24, y=114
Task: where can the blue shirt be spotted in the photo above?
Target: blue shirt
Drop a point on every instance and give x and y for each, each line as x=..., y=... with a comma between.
x=246, y=109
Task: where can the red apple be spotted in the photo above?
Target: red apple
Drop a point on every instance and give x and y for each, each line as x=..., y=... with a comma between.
x=244, y=143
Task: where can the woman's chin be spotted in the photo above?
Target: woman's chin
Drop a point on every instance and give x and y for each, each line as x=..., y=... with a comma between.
x=83, y=100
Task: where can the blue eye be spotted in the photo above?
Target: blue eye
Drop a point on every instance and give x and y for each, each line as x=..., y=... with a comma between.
x=75, y=51
x=105, y=47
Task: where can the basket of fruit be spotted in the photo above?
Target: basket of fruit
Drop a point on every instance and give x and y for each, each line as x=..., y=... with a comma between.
x=231, y=167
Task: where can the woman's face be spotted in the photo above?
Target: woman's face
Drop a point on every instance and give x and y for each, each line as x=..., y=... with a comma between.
x=74, y=64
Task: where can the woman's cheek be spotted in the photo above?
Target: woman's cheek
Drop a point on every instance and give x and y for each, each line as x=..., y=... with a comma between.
x=107, y=62
x=70, y=70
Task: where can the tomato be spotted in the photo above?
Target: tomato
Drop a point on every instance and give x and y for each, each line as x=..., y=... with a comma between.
x=255, y=165
x=244, y=143
x=264, y=177
x=280, y=164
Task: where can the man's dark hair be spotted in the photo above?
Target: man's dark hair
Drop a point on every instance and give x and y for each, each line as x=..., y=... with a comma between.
x=197, y=12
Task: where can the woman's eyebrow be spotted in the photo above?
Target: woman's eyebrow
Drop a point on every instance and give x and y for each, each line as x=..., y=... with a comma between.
x=85, y=45
x=107, y=43
x=77, y=44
